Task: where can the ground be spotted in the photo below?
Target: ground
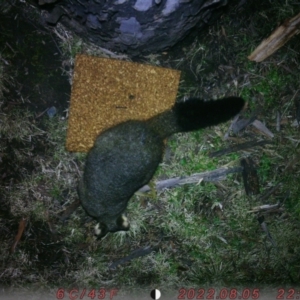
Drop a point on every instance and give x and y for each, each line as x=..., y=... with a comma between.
x=198, y=235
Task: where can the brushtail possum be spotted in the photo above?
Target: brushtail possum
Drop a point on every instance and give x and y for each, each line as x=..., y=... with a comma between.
x=125, y=157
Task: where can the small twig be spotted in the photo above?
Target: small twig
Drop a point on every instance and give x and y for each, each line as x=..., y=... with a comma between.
x=238, y=147
x=264, y=227
x=42, y=113
x=269, y=192
x=265, y=208
x=21, y=228
x=69, y=210
x=278, y=120
x=288, y=167
x=135, y=254
x=10, y=47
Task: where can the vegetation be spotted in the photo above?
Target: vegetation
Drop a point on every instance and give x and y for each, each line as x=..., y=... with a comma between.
x=203, y=234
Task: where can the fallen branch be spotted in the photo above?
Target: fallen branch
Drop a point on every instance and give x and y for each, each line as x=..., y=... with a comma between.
x=276, y=40
x=215, y=175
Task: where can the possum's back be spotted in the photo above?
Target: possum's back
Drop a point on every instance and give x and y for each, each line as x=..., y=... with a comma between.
x=123, y=159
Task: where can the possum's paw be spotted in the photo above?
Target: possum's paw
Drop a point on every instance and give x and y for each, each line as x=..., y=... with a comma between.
x=98, y=230
x=121, y=224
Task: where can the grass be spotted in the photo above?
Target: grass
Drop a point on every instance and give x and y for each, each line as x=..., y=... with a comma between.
x=203, y=234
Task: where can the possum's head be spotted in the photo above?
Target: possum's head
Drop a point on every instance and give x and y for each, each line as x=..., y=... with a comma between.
x=119, y=224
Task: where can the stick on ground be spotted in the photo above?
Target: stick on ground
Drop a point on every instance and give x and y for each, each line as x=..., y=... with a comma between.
x=277, y=39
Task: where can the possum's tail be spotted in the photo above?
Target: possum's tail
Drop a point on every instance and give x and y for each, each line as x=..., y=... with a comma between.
x=194, y=114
